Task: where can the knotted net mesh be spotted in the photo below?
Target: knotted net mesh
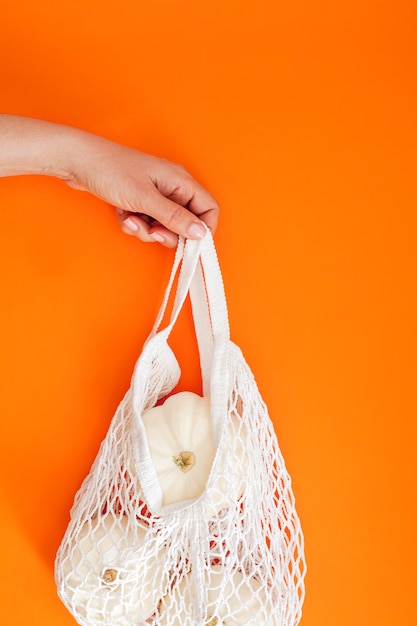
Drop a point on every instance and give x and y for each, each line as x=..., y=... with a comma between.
x=232, y=555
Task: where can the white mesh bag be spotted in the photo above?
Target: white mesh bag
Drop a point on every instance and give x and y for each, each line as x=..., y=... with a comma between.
x=187, y=515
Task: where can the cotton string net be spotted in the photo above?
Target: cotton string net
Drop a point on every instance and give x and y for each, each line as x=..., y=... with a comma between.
x=234, y=555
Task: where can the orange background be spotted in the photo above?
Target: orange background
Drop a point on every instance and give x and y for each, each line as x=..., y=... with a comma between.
x=300, y=118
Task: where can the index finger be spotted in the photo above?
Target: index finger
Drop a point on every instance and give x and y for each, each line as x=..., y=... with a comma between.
x=204, y=206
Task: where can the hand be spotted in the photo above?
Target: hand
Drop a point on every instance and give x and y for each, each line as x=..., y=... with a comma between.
x=156, y=200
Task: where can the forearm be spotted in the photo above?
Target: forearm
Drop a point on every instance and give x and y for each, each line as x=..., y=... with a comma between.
x=31, y=146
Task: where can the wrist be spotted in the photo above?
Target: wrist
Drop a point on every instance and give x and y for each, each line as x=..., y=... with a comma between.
x=31, y=146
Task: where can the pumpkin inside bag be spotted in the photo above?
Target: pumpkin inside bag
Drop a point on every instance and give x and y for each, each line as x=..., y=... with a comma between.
x=181, y=446
x=241, y=600
x=182, y=449
x=101, y=567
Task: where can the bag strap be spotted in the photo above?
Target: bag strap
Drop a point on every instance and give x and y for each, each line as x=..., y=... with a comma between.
x=209, y=308
x=185, y=262
x=200, y=276
x=214, y=348
x=202, y=326
x=179, y=253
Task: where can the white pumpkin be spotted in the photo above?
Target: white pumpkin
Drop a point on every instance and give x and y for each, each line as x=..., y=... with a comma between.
x=110, y=576
x=179, y=437
x=182, y=450
x=241, y=601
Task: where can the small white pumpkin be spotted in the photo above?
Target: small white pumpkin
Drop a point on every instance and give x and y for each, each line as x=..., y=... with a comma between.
x=182, y=450
x=241, y=601
x=110, y=576
x=179, y=437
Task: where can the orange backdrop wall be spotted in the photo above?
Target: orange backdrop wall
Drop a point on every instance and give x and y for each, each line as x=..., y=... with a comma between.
x=300, y=117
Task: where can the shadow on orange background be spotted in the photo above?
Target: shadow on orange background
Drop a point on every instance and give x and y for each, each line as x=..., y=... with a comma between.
x=300, y=118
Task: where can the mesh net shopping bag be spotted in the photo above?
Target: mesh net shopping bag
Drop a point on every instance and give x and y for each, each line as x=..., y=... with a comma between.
x=187, y=515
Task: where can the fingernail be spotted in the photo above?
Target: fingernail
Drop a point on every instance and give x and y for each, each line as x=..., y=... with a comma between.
x=131, y=224
x=196, y=231
x=157, y=237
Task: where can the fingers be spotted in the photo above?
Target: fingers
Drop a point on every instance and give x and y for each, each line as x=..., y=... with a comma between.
x=146, y=229
x=135, y=224
x=165, y=220
x=149, y=230
x=181, y=188
x=205, y=207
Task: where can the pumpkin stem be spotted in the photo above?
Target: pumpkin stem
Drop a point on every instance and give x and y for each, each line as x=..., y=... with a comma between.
x=185, y=461
x=109, y=576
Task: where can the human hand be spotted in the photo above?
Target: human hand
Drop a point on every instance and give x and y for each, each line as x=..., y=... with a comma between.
x=156, y=200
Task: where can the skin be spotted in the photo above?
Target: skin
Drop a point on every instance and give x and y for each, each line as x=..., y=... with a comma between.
x=155, y=199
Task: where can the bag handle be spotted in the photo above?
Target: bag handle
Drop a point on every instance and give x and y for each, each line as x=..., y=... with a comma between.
x=200, y=276
x=185, y=262
x=202, y=326
x=214, y=348
x=210, y=314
